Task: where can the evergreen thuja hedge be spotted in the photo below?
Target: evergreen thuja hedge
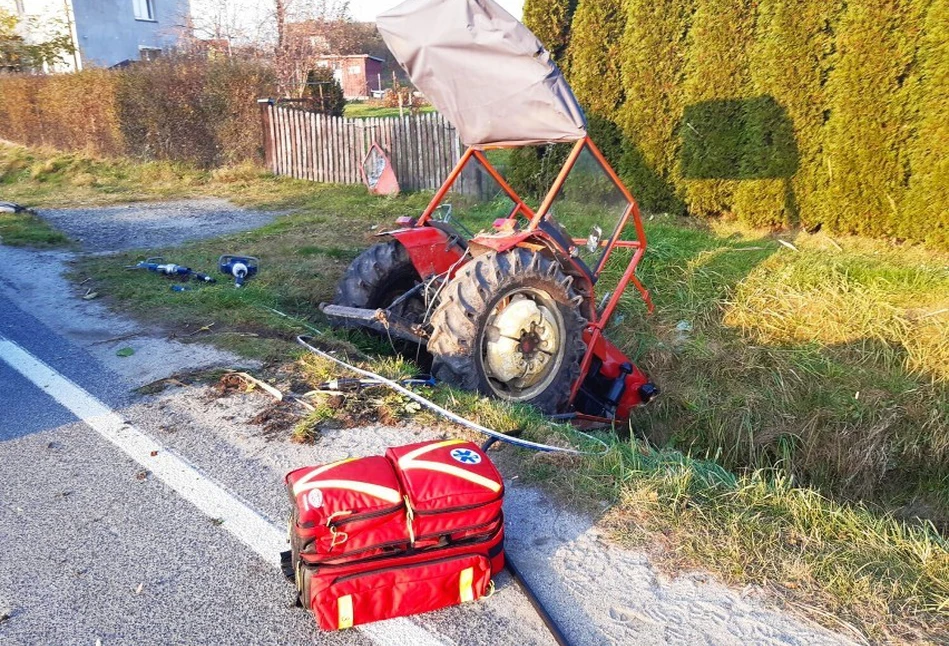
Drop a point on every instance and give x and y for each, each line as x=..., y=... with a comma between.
x=652, y=71
x=716, y=79
x=790, y=58
x=550, y=21
x=925, y=208
x=870, y=116
x=593, y=56
x=776, y=112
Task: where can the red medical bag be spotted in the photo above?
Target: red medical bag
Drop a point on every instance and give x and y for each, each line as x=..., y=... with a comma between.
x=380, y=537
x=452, y=488
x=347, y=510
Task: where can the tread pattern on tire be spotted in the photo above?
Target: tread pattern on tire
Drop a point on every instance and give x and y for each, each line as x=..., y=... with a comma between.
x=467, y=301
x=373, y=272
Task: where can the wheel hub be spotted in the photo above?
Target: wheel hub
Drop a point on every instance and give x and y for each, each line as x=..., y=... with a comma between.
x=522, y=343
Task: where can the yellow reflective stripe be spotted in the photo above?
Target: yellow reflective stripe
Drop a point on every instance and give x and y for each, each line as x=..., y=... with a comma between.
x=409, y=519
x=454, y=471
x=315, y=472
x=344, y=607
x=374, y=490
x=411, y=455
x=465, y=582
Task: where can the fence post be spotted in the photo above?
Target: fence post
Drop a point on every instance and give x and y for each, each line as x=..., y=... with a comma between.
x=266, y=124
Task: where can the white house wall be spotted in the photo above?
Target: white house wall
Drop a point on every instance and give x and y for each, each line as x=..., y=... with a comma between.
x=42, y=20
x=105, y=31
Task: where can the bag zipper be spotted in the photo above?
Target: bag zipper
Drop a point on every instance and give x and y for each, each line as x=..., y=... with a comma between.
x=460, y=529
x=461, y=508
x=356, y=575
x=364, y=516
x=471, y=541
x=335, y=557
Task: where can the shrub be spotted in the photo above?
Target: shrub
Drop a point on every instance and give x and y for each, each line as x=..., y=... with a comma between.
x=716, y=71
x=550, y=21
x=792, y=54
x=776, y=112
x=192, y=110
x=926, y=206
x=324, y=91
x=868, y=135
x=534, y=168
x=593, y=56
x=19, y=119
x=652, y=73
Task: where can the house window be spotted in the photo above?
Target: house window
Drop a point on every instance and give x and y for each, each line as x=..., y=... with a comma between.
x=149, y=53
x=144, y=9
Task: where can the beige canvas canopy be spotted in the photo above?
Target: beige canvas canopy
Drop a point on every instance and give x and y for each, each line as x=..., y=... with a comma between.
x=484, y=70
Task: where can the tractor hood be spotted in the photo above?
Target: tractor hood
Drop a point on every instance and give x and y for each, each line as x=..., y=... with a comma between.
x=484, y=71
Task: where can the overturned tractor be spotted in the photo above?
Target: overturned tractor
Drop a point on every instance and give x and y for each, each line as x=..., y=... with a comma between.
x=506, y=298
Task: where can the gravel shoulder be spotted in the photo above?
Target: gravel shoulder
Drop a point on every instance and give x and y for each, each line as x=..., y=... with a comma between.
x=153, y=225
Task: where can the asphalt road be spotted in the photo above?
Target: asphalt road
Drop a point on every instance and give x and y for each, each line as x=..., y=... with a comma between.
x=97, y=548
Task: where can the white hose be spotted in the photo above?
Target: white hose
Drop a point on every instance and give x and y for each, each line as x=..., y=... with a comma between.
x=444, y=412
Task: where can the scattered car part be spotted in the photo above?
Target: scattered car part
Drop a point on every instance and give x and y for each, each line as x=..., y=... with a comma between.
x=158, y=265
x=241, y=268
x=377, y=172
x=11, y=207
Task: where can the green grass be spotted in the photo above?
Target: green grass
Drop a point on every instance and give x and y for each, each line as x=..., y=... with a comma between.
x=804, y=425
x=358, y=110
x=26, y=230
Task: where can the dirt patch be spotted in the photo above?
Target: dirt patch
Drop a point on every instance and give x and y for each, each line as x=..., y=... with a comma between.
x=277, y=418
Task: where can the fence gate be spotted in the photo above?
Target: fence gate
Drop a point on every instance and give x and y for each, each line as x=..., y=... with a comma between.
x=423, y=148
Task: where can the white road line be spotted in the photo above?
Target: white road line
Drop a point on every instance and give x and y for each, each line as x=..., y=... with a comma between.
x=264, y=537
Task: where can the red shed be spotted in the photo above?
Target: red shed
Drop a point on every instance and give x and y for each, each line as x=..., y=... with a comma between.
x=359, y=74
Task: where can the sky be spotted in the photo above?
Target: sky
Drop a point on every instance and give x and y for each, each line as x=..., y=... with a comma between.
x=366, y=10
x=253, y=20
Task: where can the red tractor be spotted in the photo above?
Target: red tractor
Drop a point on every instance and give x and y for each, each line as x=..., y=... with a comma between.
x=502, y=295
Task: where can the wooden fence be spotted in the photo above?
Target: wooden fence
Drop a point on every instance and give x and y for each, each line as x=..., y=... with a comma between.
x=422, y=148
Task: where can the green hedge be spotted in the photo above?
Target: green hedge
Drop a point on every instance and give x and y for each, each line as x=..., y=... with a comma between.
x=775, y=112
x=926, y=205
x=197, y=111
x=593, y=56
x=550, y=21
x=790, y=59
x=652, y=60
x=871, y=120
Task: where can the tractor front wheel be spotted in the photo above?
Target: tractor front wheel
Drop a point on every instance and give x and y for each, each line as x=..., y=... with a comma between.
x=378, y=277
x=509, y=326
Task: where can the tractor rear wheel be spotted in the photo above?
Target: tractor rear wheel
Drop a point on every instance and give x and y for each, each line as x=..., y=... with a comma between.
x=377, y=277
x=509, y=326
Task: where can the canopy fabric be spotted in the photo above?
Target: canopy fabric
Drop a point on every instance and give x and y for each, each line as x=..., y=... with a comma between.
x=484, y=71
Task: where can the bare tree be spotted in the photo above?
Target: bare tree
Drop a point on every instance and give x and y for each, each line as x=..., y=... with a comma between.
x=306, y=29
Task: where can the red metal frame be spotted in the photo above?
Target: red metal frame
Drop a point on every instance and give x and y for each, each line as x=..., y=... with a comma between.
x=432, y=253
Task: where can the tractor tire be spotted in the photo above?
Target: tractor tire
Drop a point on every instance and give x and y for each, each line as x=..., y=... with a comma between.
x=509, y=326
x=377, y=277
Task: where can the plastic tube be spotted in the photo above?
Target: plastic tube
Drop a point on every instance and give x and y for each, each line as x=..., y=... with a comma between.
x=458, y=419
